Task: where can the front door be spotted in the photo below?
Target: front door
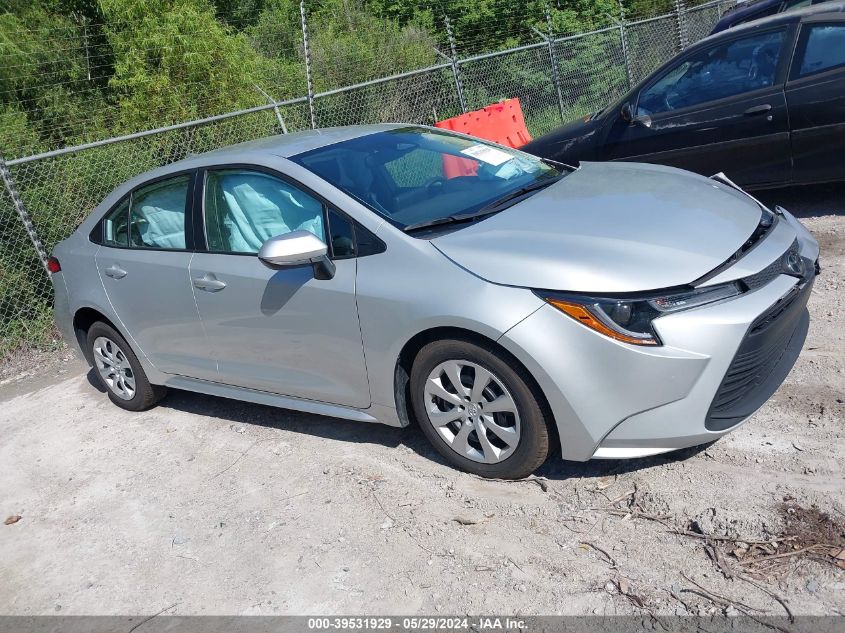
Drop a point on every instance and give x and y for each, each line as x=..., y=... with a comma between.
x=143, y=264
x=275, y=329
x=720, y=108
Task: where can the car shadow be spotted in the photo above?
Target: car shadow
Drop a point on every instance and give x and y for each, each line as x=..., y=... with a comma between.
x=282, y=286
x=808, y=201
x=240, y=412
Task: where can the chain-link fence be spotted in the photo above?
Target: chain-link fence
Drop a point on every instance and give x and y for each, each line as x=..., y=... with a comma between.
x=557, y=78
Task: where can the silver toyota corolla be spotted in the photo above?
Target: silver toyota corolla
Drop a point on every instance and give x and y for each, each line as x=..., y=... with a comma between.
x=390, y=273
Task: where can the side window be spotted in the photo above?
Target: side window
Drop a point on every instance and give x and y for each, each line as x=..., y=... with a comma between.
x=823, y=48
x=116, y=225
x=244, y=208
x=718, y=72
x=157, y=214
x=342, y=234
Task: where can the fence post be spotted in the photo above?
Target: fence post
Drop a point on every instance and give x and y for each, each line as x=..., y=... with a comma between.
x=623, y=35
x=307, y=53
x=680, y=11
x=553, y=58
x=278, y=113
x=453, y=59
x=12, y=188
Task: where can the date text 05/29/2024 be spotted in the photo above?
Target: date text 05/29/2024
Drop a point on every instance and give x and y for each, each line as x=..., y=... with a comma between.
x=415, y=624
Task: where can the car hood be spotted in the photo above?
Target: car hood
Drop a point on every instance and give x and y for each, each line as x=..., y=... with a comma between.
x=568, y=143
x=609, y=228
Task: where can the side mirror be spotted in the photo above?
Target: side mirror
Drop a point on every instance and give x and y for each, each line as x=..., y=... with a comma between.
x=298, y=248
x=643, y=120
x=627, y=114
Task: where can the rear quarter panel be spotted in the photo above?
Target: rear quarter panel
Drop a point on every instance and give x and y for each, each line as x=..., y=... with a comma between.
x=80, y=288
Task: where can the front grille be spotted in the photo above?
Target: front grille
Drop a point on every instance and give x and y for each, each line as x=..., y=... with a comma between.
x=760, y=279
x=762, y=361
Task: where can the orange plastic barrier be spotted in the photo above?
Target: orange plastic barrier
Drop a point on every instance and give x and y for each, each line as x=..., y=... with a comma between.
x=501, y=123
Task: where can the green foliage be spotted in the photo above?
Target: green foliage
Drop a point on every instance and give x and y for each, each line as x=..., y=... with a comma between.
x=360, y=46
x=46, y=78
x=16, y=132
x=175, y=61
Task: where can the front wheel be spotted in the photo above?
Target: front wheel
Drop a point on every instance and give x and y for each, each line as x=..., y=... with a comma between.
x=478, y=410
x=119, y=371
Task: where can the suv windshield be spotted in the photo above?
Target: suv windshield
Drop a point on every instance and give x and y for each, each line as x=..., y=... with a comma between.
x=420, y=177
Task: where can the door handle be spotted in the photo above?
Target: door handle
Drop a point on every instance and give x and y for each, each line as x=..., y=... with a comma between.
x=758, y=109
x=115, y=272
x=209, y=283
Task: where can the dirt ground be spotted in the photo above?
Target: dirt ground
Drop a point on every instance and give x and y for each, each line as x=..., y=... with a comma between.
x=209, y=506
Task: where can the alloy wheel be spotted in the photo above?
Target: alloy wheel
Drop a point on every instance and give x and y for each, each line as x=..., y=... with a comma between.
x=472, y=411
x=114, y=368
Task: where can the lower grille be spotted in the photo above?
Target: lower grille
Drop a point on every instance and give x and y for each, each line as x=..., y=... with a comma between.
x=762, y=361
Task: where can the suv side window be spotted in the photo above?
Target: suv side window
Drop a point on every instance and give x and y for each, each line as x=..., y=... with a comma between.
x=244, y=208
x=157, y=214
x=720, y=71
x=823, y=48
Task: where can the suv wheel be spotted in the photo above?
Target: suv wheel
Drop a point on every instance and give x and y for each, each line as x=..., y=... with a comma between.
x=478, y=411
x=118, y=370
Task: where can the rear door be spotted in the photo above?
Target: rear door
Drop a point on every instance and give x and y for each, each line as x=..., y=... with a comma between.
x=718, y=108
x=815, y=94
x=277, y=329
x=143, y=263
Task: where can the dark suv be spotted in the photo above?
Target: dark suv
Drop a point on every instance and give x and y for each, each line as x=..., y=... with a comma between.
x=763, y=102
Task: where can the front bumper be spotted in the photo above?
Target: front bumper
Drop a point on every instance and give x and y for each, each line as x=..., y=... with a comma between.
x=718, y=364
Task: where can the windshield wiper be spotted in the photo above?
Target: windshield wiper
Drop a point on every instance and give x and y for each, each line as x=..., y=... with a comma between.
x=449, y=219
x=500, y=203
x=489, y=209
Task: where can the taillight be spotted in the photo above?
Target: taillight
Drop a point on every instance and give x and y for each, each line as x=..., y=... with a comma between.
x=53, y=265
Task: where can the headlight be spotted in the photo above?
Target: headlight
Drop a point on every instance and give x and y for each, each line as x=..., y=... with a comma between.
x=630, y=320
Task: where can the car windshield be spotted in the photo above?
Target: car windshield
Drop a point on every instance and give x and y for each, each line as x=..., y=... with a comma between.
x=422, y=177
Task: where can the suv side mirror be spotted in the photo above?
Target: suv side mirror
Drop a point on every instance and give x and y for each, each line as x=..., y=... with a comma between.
x=643, y=120
x=296, y=249
x=627, y=114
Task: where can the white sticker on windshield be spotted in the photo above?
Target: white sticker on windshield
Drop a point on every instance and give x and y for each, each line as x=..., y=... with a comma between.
x=487, y=154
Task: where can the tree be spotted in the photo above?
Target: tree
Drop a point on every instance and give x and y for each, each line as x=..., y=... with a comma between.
x=175, y=61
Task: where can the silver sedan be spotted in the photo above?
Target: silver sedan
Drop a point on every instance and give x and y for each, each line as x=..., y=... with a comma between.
x=394, y=273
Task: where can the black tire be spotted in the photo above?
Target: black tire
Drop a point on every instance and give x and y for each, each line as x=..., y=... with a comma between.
x=533, y=446
x=146, y=395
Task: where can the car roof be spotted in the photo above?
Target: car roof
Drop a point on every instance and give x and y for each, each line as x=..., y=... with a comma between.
x=825, y=10
x=749, y=6
x=281, y=145
x=286, y=145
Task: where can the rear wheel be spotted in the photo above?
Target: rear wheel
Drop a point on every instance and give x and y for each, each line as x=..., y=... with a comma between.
x=478, y=410
x=118, y=370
